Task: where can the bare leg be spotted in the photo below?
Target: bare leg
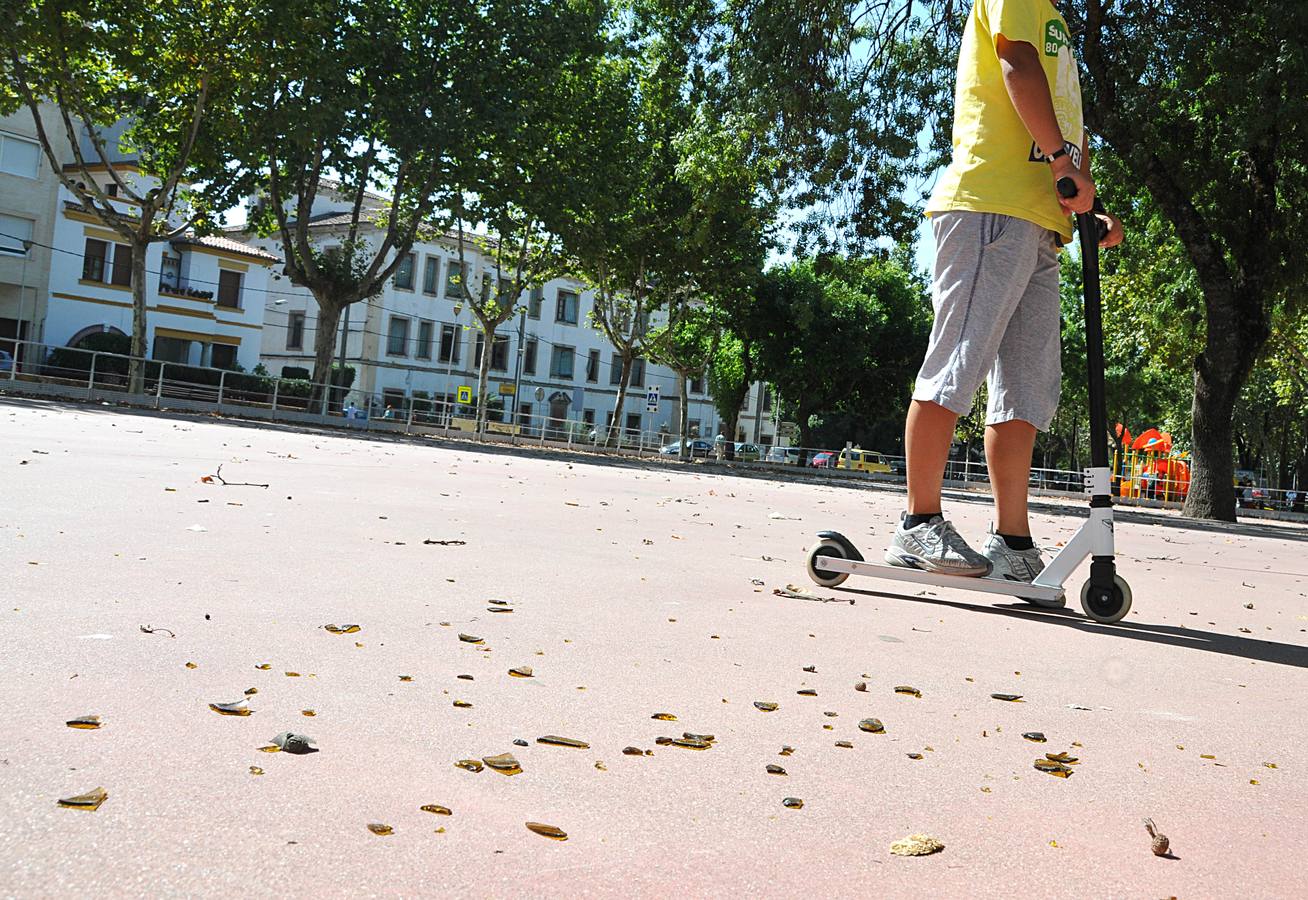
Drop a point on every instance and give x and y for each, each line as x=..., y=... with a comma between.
x=1008, y=455
x=927, y=436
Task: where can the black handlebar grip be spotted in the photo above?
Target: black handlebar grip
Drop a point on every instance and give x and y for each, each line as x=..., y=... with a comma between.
x=1067, y=189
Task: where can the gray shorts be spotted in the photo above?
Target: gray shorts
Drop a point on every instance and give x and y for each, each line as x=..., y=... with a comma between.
x=995, y=294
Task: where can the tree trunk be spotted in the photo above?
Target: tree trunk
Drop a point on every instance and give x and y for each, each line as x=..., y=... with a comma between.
x=805, y=437
x=136, y=366
x=623, y=383
x=483, y=376
x=729, y=434
x=1211, y=494
x=324, y=344
x=683, y=415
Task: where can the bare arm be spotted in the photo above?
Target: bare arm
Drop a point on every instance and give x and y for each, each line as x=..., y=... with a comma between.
x=1028, y=88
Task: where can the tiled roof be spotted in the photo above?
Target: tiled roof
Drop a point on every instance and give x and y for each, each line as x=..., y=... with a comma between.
x=227, y=245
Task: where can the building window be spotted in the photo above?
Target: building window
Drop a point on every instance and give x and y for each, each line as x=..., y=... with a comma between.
x=397, y=338
x=588, y=417
x=431, y=275
x=566, y=309
x=173, y=350
x=394, y=401
x=505, y=290
x=93, y=260
x=524, y=415
x=638, y=372
x=454, y=280
x=222, y=356
x=170, y=271
x=449, y=352
x=499, y=361
x=111, y=189
x=767, y=398
x=561, y=362
x=697, y=384
x=633, y=424
x=592, y=366
x=13, y=231
x=19, y=156
x=534, y=305
x=615, y=369
x=295, y=331
x=122, y=268
x=229, y=288
x=423, y=350
x=529, y=357
x=404, y=273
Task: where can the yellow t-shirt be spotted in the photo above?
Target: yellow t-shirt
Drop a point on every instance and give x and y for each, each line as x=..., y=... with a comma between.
x=997, y=167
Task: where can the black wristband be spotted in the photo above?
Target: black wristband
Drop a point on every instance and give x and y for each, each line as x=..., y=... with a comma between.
x=1061, y=151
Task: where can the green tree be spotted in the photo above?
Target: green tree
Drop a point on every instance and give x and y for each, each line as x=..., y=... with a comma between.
x=841, y=335
x=142, y=97
x=730, y=373
x=686, y=344
x=370, y=108
x=524, y=192
x=626, y=247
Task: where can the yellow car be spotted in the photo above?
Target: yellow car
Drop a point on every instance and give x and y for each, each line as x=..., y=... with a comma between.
x=863, y=461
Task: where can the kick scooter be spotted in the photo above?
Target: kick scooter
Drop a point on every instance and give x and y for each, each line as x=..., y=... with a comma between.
x=1105, y=596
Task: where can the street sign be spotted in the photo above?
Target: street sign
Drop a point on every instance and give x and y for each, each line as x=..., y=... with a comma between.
x=465, y=394
x=507, y=388
x=652, y=399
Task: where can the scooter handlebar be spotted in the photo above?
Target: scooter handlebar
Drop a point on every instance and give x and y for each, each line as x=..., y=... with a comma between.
x=1067, y=189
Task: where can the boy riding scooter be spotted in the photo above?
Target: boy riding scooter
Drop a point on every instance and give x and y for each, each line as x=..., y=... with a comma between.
x=998, y=221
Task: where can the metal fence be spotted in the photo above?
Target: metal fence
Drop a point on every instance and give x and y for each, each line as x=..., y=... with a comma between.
x=103, y=376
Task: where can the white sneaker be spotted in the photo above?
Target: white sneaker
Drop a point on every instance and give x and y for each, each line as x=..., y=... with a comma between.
x=1018, y=565
x=935, y=547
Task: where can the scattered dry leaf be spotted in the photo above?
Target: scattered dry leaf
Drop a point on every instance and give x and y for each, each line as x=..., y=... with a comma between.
x=916, y=845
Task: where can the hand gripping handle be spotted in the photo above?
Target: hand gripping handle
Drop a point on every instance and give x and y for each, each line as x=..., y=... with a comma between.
x=1067, y=188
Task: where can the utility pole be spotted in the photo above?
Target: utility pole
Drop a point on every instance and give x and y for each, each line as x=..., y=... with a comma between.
x=517, y=377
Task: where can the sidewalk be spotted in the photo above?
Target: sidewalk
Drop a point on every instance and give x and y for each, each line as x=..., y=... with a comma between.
x=635, y=590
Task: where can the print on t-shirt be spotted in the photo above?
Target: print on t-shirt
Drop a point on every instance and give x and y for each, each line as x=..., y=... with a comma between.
x=1065, y=91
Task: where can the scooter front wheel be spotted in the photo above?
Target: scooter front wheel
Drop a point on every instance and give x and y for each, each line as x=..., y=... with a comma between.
x=1107, y=605
x=825, y=547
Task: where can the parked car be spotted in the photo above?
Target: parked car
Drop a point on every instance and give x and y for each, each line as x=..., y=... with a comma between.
x=863, y=461
x=785, y=455
x=6, y=361
x=749, y=452
x=825, y=459
x=698, y=448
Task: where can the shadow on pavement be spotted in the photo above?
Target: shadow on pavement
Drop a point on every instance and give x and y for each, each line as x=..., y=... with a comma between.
x=1186, y=638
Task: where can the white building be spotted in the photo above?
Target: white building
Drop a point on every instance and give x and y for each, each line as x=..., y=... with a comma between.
x=205, y=295
x=417, y=341
x=28, y=190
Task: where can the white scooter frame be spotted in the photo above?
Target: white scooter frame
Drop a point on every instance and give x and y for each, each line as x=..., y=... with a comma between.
x=1105, y=596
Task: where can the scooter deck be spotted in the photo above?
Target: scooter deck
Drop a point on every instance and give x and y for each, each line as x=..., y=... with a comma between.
x=1035, y=591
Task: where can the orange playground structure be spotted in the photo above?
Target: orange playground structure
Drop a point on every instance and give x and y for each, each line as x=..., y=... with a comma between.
x=1145, y=466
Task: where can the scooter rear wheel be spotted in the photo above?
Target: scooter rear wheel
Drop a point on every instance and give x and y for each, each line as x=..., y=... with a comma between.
x=825, y=547
x=1106, y=605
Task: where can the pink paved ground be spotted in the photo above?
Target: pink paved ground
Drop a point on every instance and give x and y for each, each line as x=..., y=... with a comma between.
x=633, y=593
